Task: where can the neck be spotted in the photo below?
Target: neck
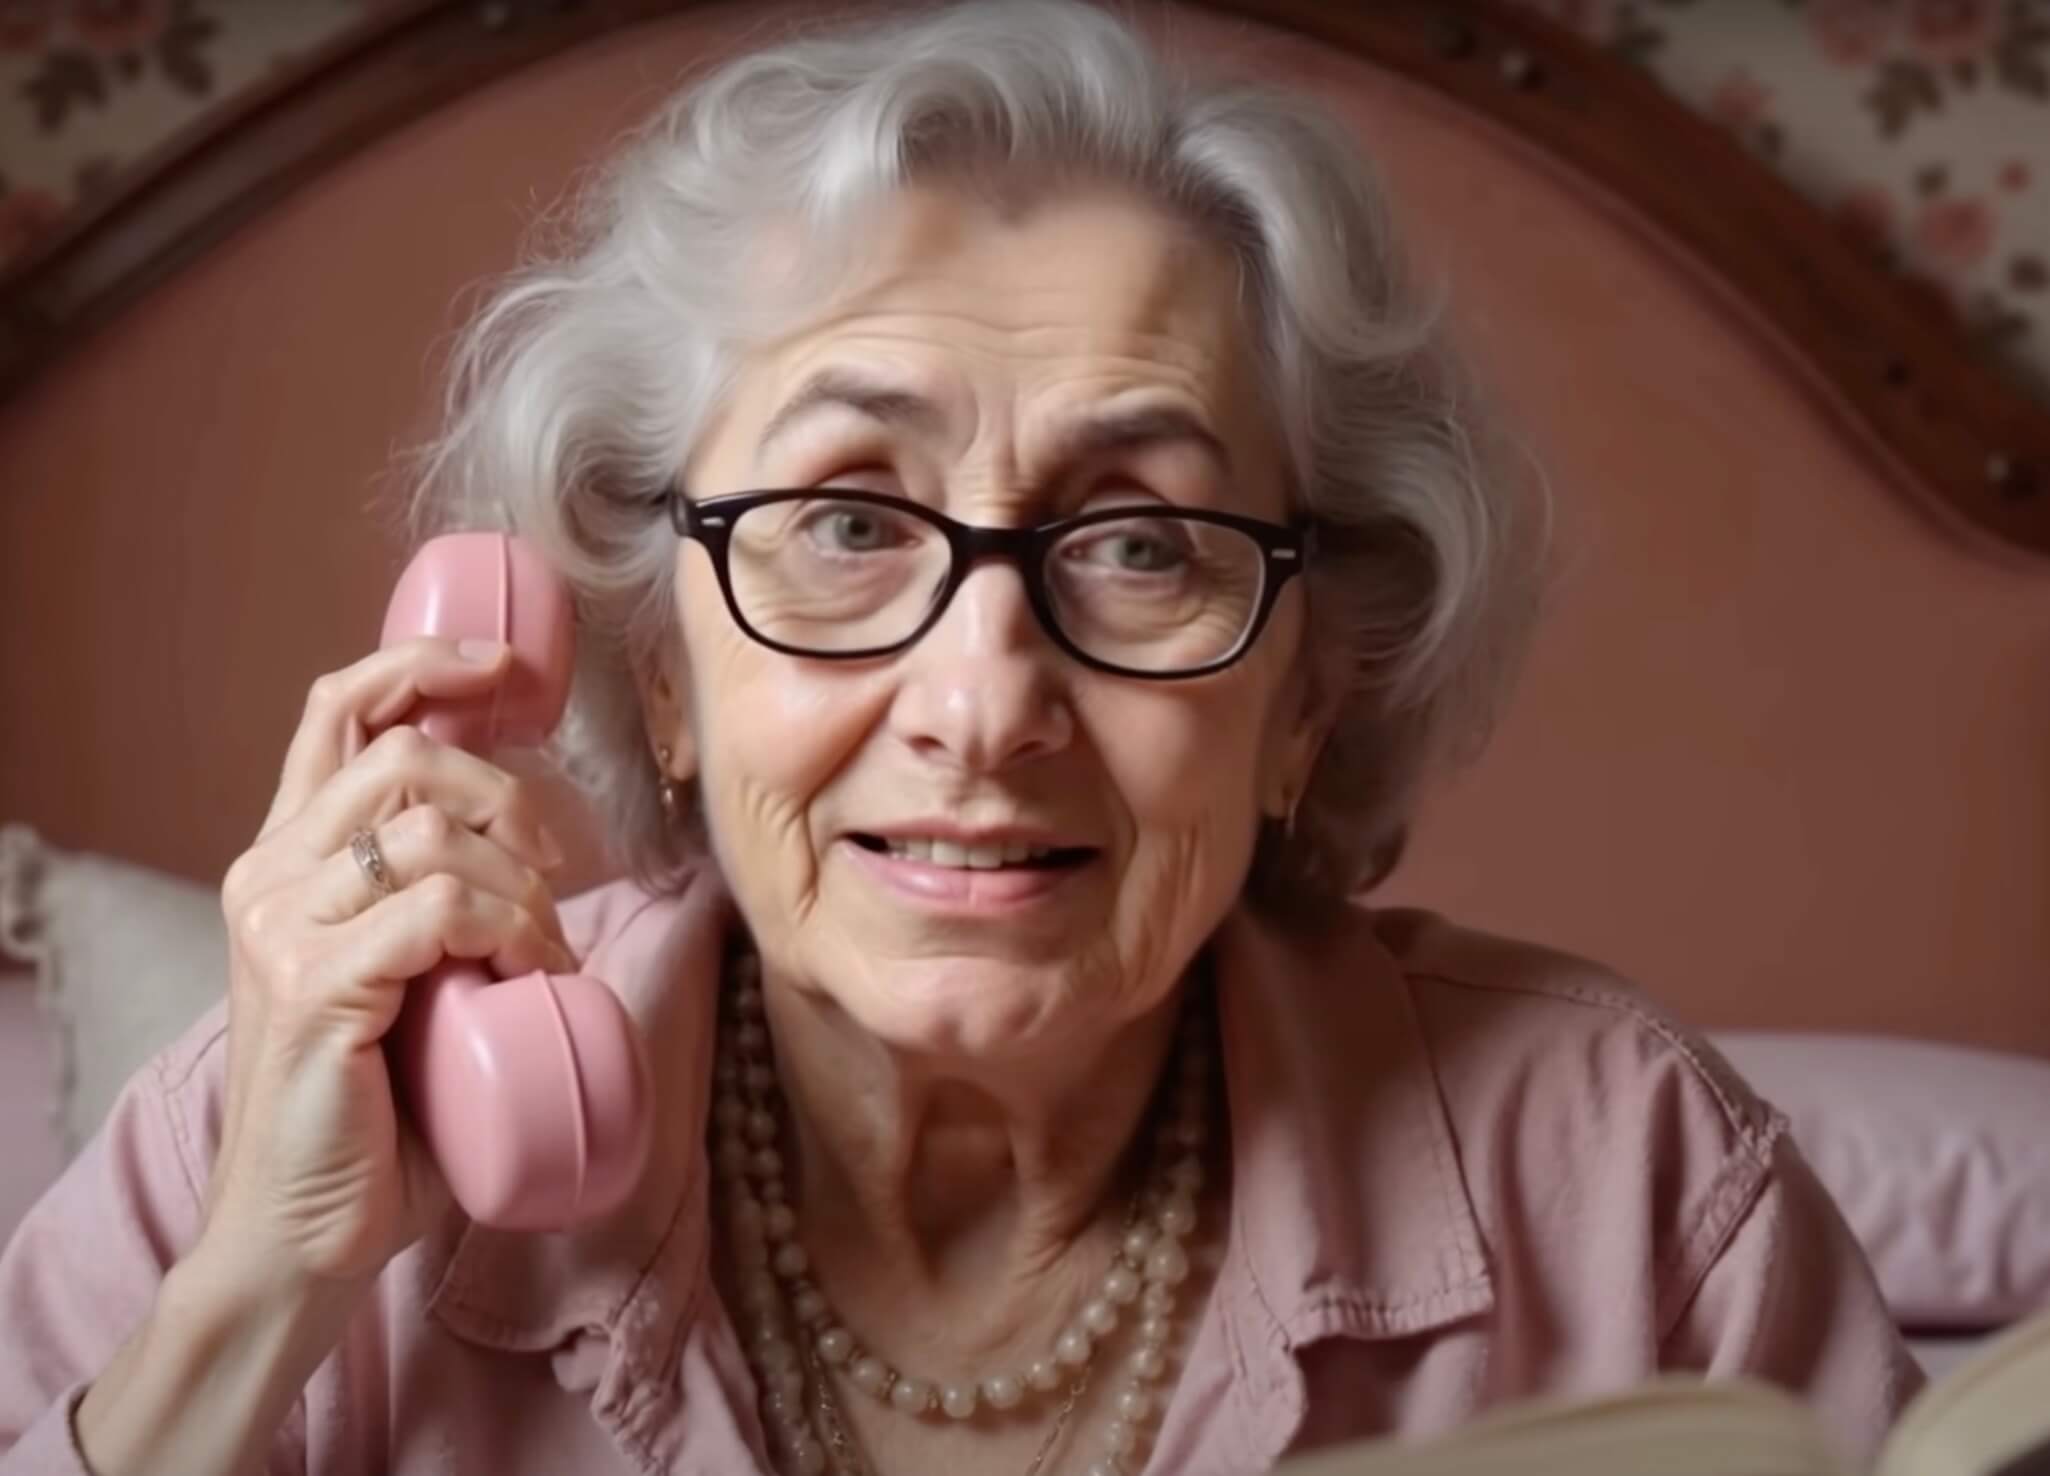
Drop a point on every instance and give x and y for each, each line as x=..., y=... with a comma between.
x=972, y=1182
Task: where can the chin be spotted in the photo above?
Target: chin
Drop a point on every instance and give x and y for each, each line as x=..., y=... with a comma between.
x=970, y=1008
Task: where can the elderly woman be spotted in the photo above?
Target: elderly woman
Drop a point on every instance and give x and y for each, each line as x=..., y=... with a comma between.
x=1028, y=544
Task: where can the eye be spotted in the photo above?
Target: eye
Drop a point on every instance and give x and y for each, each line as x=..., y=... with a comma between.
x=1151, y=547
x=853, y=528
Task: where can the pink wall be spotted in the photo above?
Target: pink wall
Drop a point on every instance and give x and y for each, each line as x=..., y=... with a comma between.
x=1781, y=754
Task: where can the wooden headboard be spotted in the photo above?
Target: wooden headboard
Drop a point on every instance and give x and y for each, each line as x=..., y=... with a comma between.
x=1783, y=752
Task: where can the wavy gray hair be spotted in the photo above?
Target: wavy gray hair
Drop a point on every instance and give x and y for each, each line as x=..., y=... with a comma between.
x=577, y=392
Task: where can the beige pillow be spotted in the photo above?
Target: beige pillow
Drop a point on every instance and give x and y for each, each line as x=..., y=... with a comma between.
x=124, y=957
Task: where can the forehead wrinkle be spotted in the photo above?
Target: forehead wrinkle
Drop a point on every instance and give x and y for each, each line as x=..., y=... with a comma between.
x=1048, y=410
x=1159, y=317
x=845, y=387
x=1191, y=371
x=1023, y=451
x=996, y=338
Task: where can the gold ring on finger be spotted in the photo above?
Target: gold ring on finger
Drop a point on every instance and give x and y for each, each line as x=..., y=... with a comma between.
x=370, y=860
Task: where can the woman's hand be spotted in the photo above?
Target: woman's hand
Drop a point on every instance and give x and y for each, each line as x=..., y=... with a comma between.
x=319, y=1179
x=319, y=1182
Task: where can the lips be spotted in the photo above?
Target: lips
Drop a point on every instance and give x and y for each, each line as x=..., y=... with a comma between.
x=978, y=854
x=969, y=875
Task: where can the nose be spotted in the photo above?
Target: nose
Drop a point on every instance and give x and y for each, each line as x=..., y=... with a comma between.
x=983, y=691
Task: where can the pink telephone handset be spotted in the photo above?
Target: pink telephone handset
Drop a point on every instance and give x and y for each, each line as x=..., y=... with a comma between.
x=531, y=1093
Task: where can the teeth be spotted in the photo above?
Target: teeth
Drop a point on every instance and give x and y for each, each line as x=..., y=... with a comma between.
x=952, y=853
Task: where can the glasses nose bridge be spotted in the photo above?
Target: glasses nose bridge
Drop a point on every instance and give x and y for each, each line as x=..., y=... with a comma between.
x=973, y=545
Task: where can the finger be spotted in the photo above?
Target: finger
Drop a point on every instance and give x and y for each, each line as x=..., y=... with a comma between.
x=408, y=933
x=417, y=844
x=402, y=768
x=344, y=708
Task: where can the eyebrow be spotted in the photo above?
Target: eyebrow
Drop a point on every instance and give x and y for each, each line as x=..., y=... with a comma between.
x=884, y=403
x=887, y=404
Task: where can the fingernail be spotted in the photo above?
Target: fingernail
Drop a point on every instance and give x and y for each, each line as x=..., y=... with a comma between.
x=482, y=652
x=551, y=848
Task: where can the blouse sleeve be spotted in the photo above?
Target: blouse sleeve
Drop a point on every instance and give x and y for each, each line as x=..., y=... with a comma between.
x=84, y=1265
x=1792, y=1300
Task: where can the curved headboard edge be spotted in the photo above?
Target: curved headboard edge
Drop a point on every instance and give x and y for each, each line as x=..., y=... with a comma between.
x=1946, y=516
x=1901, y=378
x=205, y=180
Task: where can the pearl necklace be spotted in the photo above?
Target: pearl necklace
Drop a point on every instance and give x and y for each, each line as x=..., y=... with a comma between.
x=796, y=1342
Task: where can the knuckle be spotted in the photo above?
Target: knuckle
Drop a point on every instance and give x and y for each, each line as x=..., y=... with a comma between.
x=400, y=747
x=429, y=827
x=442, y=894
x=262, y=922
x=326, y=692
x=236, y=882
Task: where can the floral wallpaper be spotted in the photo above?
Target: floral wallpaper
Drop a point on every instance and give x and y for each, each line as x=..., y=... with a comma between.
x=1922, y=126
x=88, y=85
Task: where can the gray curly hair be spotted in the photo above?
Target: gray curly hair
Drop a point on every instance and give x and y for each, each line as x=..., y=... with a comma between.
x=577, y=391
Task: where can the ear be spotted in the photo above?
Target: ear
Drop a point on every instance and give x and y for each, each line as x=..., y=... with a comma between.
x=1308, y=712
x=665, y=712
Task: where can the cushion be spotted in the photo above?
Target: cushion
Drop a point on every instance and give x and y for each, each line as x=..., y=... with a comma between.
x=124, y=959
x=28, y=1099
x=1938, y=1155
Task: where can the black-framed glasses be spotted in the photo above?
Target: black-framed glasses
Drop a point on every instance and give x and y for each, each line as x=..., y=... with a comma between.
x=1145, y=591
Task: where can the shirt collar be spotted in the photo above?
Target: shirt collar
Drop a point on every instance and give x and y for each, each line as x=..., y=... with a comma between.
x=1349, y=1213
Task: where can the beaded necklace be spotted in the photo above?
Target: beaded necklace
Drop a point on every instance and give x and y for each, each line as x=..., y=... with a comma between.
x=799, y=1347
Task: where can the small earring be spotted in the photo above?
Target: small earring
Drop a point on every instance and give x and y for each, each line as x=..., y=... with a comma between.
x=670, y=804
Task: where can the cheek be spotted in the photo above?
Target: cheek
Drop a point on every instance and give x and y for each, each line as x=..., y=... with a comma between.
x=1182, y=762
x=771, y=733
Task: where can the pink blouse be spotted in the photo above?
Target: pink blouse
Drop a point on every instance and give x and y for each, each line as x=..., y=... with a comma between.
x=1464, y=1170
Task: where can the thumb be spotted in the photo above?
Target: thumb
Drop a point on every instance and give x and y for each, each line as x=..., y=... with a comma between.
x=466, y=668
